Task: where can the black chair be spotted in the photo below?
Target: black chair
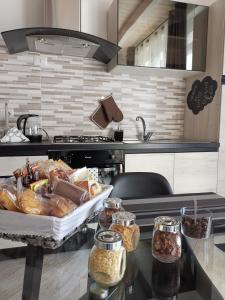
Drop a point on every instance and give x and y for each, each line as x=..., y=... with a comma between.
x=138, y=185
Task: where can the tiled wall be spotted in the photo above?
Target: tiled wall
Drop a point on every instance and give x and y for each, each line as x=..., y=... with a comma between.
x=65, y=91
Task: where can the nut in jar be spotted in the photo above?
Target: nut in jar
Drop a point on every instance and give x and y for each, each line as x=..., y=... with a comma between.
x=124, y=223
x=110, y=206
x=107, y=260
x=166, y=241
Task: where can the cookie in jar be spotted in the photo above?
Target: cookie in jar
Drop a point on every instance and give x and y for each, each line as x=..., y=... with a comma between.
x=124, y=223
x=166, y=240
x=110, y=206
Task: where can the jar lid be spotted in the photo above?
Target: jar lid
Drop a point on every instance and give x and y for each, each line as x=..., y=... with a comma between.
x=165, y=223
x=108, y=240
x=112, y=203
x=124, y=218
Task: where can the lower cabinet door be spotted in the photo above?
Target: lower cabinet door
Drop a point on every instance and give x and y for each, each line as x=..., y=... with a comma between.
x=161, y=163
x=11, y=163
x=195, y=172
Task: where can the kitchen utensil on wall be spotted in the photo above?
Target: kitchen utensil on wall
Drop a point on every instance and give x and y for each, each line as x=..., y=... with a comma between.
x=31, y=128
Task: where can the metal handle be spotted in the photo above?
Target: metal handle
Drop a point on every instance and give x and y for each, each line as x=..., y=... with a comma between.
x=88, y=157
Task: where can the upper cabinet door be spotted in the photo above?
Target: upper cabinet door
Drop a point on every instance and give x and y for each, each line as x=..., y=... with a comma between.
x=160, y=34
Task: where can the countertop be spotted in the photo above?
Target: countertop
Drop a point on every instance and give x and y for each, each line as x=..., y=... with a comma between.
x=199, y=275
x=154, y=146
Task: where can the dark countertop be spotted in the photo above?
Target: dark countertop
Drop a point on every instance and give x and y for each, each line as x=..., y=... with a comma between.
x=157, y=146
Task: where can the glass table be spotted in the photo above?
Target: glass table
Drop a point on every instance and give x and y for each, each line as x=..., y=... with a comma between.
x=36, y=273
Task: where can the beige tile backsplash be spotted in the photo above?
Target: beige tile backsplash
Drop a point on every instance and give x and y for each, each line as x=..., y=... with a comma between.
x=65, y=91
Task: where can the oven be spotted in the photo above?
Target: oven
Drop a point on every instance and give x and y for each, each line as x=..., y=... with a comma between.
x=103, y=164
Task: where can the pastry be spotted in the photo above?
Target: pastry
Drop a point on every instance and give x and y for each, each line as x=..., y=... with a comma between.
x=32, y=203
x=80, y=175
x=8, y=199
x=83, y=184
x=60, y=206
x=70, y=191
x=36, y=186
x=94, y=188
x=58, y=173
x=62, y=165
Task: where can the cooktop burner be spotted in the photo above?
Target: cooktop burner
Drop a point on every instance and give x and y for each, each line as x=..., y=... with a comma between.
x=81, y=139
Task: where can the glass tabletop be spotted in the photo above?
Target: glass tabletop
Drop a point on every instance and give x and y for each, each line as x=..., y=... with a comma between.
x=65, y=271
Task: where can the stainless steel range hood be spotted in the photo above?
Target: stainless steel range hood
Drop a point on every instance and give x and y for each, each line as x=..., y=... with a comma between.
x=58, y=33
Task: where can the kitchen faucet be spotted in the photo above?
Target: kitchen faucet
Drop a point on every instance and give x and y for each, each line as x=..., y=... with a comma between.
x=146, y=136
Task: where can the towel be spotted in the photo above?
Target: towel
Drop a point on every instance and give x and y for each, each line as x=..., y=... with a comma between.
x=107, y=112
x=14, y=135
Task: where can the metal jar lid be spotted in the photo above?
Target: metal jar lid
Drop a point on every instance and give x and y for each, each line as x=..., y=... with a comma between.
x=108, y=240
x=124, y=218
x=112, y=203
x=165, y=223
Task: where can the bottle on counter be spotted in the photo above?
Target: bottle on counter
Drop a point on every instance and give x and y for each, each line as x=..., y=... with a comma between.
x=107, y=260
x=124, y=223
x=166, y=240
x=110, y=206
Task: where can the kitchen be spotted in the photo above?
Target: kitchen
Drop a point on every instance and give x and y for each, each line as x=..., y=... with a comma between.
x=187, y=148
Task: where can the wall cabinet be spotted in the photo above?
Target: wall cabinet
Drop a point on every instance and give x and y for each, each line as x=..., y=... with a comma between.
x=159, y=34
x=10, y=164
x=186, y=172
x=162, y=163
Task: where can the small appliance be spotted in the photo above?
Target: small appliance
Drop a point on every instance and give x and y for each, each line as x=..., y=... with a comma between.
x=29, y=124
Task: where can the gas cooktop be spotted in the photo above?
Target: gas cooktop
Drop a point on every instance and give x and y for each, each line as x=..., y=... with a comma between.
x=81, y=139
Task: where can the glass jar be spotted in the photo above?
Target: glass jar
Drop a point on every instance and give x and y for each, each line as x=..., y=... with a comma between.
x=110, y=206
x=196, y=222
x=166, y=240
x=124, y=223
x=107, y=260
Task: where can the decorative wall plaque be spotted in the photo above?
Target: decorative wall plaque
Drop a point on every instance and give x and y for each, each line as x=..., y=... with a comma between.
x=201, y=94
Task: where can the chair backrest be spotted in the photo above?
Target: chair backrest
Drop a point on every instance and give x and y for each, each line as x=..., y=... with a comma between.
x=137, y=185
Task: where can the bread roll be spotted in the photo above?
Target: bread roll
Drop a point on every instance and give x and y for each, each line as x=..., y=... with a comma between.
x=32, y=203
x=60, y=206
x=8, y=199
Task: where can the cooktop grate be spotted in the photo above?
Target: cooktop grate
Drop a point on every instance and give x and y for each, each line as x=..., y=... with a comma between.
x=82, y=139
